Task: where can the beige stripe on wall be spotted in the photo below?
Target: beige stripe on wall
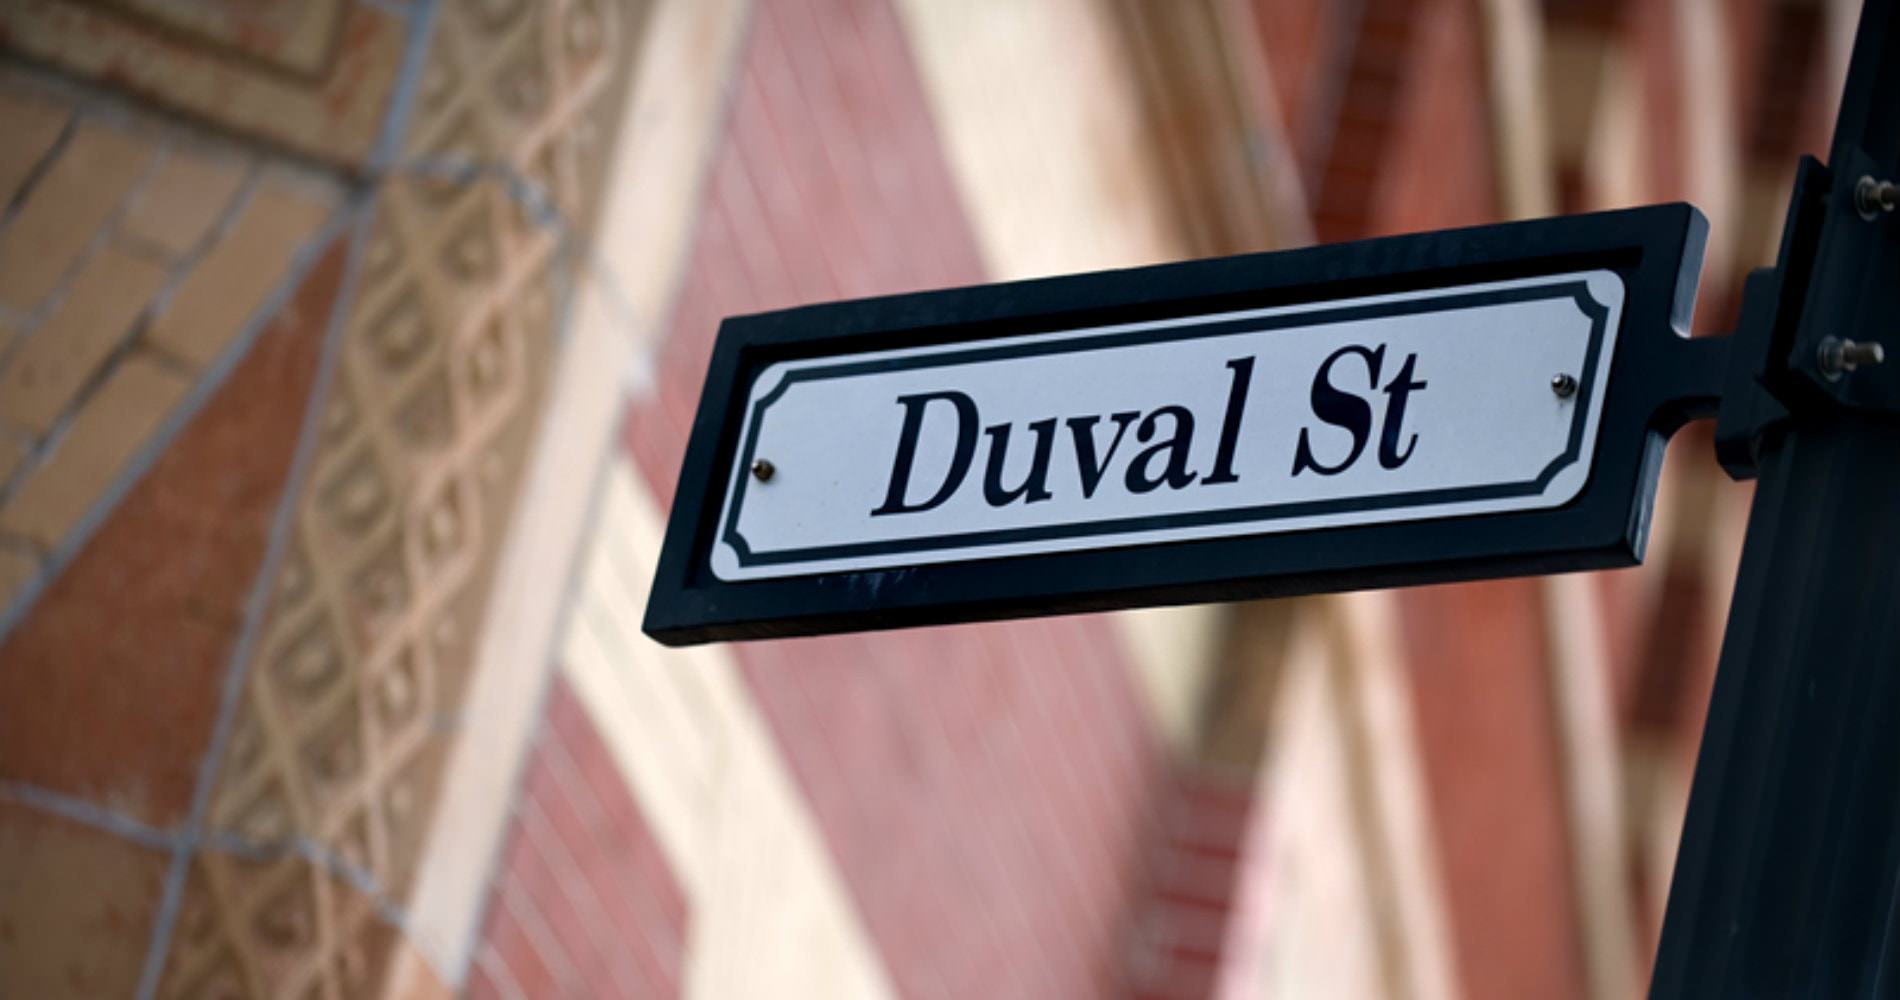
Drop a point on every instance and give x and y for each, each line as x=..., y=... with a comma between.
x=767, y=913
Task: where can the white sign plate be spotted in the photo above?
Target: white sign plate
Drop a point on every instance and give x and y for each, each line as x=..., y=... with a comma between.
x=1424, y=405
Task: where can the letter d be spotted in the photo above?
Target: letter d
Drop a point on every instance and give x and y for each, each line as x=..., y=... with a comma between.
x=907, y=451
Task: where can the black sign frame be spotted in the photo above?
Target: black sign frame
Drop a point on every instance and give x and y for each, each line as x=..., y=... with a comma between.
x=1658, y=380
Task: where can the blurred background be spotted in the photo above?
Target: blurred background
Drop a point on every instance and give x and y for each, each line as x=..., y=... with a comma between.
x=348, y=349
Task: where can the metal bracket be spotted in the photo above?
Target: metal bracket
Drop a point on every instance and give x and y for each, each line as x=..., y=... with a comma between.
x=1748, y=410
x=1760, y=391
x=1817, y=329
x=1850, y=316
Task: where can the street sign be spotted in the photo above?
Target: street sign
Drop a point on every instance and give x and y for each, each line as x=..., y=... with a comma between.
x=1475, y=399
x=1442, y=406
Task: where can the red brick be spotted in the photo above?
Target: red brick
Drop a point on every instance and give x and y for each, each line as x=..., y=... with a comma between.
x=534, y=880
x=761, y=210
x=584, y=900
x=1482, y=704
x=516, y=950
x=632, y=892
x=832, y=74
x=169, y=568
x=804, y=148
x=1598, y=15
x=482, y=985
x=597, y=820
x=1186, y=982
x=565, y=897
x=1302, y=39
x=985, y=814
x=1652, y=39
x=1446, y=124
x=648, y=888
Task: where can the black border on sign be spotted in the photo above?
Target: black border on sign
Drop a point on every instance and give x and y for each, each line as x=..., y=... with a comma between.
x=1656, y=251
x=1577, y=291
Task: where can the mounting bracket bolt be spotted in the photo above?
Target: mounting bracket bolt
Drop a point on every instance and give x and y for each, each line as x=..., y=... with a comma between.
x=762, y=470
x=1873, y=198
x=1837, y=357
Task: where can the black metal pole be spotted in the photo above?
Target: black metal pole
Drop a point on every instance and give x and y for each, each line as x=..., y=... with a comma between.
x=1789, y=872
x=1788, y=878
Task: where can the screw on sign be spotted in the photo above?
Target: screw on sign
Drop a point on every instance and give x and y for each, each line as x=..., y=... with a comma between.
x=1873, y=197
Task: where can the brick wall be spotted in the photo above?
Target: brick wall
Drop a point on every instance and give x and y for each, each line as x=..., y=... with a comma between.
x=1440, y=166
x=583, y=903
x=1178, y=949
x=981, y=789
x=1483, y=705
x=1304, y=41
x=1412, y=152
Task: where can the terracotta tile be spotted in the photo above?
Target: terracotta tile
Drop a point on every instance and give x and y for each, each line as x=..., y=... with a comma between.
x=32, y=124
x=315, y=76
x=290, y=37
x=169, y=570
x=16, y=570
x=73, y=199
x=188, y=192
x=12, y=453
x=94, y=316
x=76, y=907
x=235, y=277
x=135, y=397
